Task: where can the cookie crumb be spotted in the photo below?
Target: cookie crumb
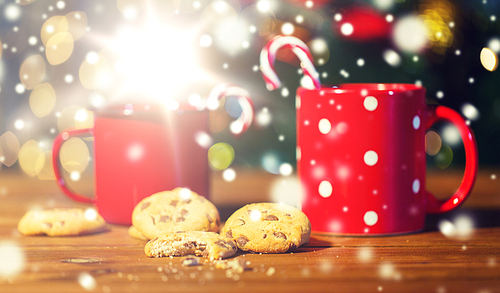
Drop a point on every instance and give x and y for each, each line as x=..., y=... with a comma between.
x=191, y=261
x=237, y=265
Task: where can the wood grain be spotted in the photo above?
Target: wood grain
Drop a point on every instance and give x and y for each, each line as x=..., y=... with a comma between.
x=420, y=262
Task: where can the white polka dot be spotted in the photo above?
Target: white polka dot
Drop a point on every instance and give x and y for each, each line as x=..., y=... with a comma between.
x=370, y=158
x=370, y=103
x=370, y=218
x=416, y=122
x=324, y=126
x=325, y=189
x=415, y=186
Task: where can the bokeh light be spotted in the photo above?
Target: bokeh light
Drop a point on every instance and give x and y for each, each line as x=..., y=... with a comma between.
x=470, y=112
x=489, y=59
x=52, y=26
x=433, y=143
x=444, y=157
x=42, y=100
x=392, y=57
x=44, y=168
x=73, y=117
x=59, y=48
x=12, y=12
x=74, y=155
x=28, y=157
x=410, y=34
x=13, y=259
x=229, y=175
x=87, y=281
x=77, y=24
x=32, y=71
x=220, y=155
x=95, y=71
x=10, y=146
x=287, y=190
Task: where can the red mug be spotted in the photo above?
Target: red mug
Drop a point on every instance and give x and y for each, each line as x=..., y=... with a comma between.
x=362, y=162
x=142, y=149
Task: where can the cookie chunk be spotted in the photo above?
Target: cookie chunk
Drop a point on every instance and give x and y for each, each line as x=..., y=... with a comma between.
x=268, y=228
x=177, y=210
x=206, y=244
x=61, y=222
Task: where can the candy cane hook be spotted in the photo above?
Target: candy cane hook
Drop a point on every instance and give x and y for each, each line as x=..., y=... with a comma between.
x=241, y=124
x=299, y=48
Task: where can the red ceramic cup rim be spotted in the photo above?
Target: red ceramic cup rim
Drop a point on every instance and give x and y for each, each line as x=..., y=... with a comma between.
x=370, y=87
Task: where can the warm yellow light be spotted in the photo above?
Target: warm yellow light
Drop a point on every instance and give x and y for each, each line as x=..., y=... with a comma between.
x=59, y=48
x=74, y=155
x=32, y=71
x=42, y=100
x=489, y=59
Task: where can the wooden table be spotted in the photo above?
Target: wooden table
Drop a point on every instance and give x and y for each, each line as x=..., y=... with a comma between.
x=114, y=262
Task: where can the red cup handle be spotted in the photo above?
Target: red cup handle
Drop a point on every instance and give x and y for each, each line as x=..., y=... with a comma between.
x=56, y=147
x=441, y=113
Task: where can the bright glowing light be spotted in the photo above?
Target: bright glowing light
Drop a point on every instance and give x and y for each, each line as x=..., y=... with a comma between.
x=92, y=57
x=263, y=117
x=13, y=259
x=410, y=34
x=68, y=78
x=360, y=62
x=32, y=40
x=230, y=34
x=489, y=59
x=494, y=45
x=20, y=89
x=12, y=12
x=309, y=4
x=470, y=111
x=87, y=281
x=205, y=41
x=299, y=19
x=90, y=214
x=60, y=5
x=75, y=176
x=347, y=29
x=389, y=18
x=185, y=193
x=229, y=175
x=384, y=4
x=263, y=6
x=286, y=190
x=286, y=169
x=337, y=17
x=152, y=63
x=203, y=139
x=287, y=28
x=392, y=58
x=450, y=135
x=19, y=124
x=255, y=215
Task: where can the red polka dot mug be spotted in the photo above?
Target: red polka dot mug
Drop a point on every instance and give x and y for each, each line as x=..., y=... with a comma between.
x=362, y=162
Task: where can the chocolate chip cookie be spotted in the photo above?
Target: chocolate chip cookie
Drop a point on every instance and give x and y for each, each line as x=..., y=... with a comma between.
x=268, y=228
x=61, y=222
x=206, y=244
x=177, y=210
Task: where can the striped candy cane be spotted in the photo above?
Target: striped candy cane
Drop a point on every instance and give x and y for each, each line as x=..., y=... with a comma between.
x=241, y=124
x=299, y=48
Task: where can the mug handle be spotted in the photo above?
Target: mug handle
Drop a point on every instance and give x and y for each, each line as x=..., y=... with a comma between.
x=56, y=147
x=441, y=113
